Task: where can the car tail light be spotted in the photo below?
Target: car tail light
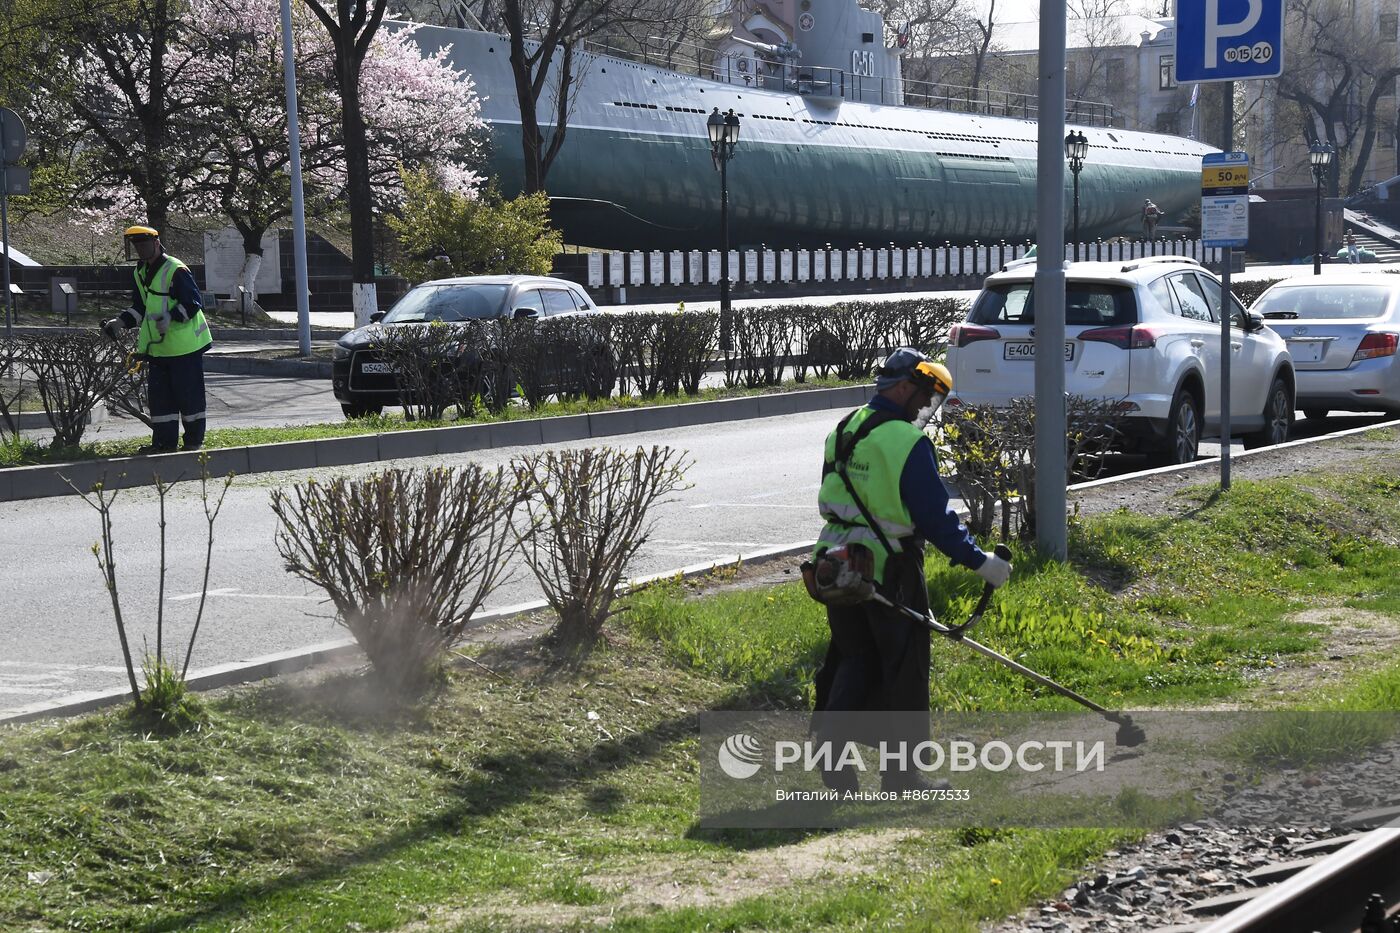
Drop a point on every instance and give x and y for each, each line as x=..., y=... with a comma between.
x=1375, y=345
x=1126, y=337
x=963, y=334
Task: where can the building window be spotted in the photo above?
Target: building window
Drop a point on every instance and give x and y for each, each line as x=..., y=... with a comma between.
x=1169, y=123
x=1115, y=74
x=1166, y=65
x=1390, y=24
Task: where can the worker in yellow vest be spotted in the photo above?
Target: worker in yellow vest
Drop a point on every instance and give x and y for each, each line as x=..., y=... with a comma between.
x=881, y=491
x=167, y=307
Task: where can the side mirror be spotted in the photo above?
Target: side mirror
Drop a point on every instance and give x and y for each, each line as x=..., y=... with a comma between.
x=1253, y=322
x=376, y=317
x=525, y=313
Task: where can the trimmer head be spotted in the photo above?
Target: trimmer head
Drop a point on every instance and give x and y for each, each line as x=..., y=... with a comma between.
x=1130, y=734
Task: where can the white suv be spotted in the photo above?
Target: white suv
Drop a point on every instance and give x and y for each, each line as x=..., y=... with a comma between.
x=1145, y=332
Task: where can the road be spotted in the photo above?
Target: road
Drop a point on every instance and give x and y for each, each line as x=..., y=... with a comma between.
x=753, y=485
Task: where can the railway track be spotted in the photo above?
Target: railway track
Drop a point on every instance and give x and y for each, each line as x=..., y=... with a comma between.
x=1349, y=884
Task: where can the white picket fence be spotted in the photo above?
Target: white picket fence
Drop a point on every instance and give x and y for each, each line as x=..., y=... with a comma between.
x=701, y=267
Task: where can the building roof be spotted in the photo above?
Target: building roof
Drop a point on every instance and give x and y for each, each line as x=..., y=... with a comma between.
x=1081, y=33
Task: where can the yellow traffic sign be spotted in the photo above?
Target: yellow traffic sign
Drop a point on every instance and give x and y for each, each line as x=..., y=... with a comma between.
x=1224, y=176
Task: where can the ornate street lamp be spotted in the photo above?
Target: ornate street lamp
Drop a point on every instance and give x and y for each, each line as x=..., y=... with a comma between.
x=724, y=136
x=1320, y=156
x=1076, y=148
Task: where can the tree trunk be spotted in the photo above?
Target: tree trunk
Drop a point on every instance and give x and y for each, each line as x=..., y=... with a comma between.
x=358, y=191
x=530, y=142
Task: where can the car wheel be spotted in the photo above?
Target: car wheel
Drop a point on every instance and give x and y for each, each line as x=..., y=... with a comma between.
x=1278, y=418
x=361, y=409
x=1183, y=430
x=1315, y=414
x=496, y=387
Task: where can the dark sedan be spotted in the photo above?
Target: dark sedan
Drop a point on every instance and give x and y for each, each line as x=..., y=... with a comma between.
x=364, y=383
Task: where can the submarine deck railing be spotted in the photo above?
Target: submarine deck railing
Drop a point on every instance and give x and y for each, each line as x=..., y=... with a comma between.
x=833, y=83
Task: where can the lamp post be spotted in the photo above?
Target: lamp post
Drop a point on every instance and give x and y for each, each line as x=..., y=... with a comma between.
x=1076, y=148
x=1320, y=156
x=724, y=136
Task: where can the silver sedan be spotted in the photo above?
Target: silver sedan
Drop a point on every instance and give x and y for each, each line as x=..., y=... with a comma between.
x=1342, y=331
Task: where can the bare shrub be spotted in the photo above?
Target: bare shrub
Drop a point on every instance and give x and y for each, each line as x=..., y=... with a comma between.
x=425, y=360
x=406, y=557
x=12, y=375
x=924, y=322
x=992, y=450
x=73, y=374
x=847, y=340
x=165, y=702
x=761, y=346
x=585, y=518
x=685, y=342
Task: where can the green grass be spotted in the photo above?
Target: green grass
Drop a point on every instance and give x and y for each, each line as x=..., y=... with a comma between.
x=499, y=804
x=28, y=452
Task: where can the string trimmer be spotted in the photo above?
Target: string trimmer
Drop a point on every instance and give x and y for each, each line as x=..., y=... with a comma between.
x=1129, y=732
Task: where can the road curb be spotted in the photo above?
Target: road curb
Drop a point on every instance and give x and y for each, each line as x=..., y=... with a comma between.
x=235, y=365
x=42, y=481
x=300, y=659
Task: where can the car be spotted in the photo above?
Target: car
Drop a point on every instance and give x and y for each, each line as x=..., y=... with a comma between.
x=363, y=383
x=1146, y=333
x=1342, y=331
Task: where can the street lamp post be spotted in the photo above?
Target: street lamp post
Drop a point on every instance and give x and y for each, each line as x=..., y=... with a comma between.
x=1076, y=148
x=1320, y=155
x=724, y=136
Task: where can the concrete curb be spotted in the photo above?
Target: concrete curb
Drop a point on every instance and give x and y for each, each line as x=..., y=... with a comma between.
x=39, y=421
x=35, y=482
x=236, y=365
x=300, y=659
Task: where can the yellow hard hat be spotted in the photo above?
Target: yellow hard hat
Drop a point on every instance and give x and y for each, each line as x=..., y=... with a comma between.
x=141, y=231
x=932, y=376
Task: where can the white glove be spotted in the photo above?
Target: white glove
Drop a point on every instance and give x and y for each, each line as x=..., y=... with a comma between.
x=995, y=571
x=162, y=322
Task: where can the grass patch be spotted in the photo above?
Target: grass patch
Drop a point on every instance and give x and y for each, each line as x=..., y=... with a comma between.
x=501, y=803
x=27, y=452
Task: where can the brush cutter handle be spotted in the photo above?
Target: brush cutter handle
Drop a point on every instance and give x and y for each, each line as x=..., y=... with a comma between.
x=956, y=631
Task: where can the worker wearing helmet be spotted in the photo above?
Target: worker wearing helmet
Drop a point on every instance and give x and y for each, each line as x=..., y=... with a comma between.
x=167, y=307
x=881, y=490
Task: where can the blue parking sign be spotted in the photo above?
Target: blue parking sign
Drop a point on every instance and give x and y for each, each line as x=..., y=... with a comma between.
x=1228, y=40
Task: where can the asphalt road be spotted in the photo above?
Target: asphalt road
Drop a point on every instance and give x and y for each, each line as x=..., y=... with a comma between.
x=753, y=485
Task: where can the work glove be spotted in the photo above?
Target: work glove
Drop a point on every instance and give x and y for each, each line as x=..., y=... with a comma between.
x=995, y=571
x=113, y=328
x=161, y=320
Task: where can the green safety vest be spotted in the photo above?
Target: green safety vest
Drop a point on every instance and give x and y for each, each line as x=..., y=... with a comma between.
x=874, y=468
x=180, y=338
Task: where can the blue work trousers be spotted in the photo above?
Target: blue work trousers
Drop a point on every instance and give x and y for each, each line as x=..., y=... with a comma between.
x=176, y=385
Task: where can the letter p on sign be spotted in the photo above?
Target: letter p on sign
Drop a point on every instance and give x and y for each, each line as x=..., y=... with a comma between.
x=1229, y=40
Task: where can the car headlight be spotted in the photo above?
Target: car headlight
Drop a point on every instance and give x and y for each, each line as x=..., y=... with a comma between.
x=341, y=351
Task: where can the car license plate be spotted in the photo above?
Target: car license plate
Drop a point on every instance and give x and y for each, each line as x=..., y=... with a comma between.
x=380, y=369
x=1306, y=351
x=1025, y=350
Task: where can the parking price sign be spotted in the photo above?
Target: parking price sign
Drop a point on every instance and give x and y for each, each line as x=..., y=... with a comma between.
x=1225, y=199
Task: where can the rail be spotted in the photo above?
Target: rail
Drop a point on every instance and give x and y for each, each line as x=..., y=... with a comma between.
x=833, y=83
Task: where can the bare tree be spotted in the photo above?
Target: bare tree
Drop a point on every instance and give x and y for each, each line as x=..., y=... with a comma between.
x=1338, y=71
x=73, y=374
x=544, y=35
x=352, y=26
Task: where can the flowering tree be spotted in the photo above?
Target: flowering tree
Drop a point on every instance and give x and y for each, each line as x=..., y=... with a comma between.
x=212, y=140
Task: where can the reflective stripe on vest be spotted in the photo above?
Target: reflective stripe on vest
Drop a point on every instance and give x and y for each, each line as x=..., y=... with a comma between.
x=874, y=469
x=180, y=338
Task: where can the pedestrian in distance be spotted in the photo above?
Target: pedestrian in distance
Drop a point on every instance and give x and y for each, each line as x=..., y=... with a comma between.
x=1151, y=213
x=882, y=497
x=171, y=340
